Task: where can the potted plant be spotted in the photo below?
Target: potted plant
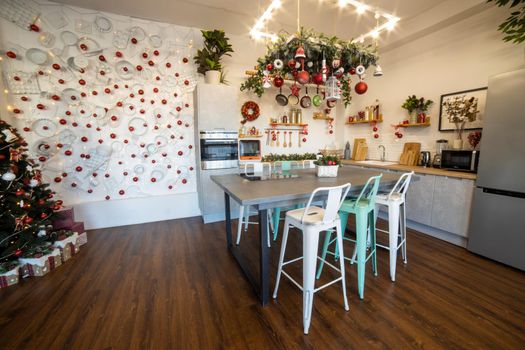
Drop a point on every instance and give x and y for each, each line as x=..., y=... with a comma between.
x=327, y=166
x=208, y=59
x=417, y=108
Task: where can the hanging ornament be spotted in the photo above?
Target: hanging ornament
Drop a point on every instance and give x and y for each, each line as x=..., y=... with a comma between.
x=18, y=253
x=9, y=176
x=361, y=87
x=318, y=78
x=278, y=64
x=299, y=53
x=378, y=72
x=291, y=64
x=333, y=90
x=324, y=69
x=267, y=80
x=269, y=67
x=33, y=183
x=339, y=72
x=278, y=81
x=336, y=63
x=310, y=64
x=360, y=70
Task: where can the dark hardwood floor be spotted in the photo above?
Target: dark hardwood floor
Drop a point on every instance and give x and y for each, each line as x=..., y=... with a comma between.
x=173, y=285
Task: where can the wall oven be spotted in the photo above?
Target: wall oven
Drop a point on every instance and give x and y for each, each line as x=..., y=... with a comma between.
x=218, y=149
x=461, y=160
x=250, y=150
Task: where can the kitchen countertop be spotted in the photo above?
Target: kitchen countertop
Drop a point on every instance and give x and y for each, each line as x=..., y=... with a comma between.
x=416, y=169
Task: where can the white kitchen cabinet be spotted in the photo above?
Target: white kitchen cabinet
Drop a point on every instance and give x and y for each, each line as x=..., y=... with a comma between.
x=420, y=197
x=451, y=204
x=212, y=201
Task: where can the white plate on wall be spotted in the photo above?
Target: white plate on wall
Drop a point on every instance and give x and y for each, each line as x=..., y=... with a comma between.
x=103, y=24
x=37, y=56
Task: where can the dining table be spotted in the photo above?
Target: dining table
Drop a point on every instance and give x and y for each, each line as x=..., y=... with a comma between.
x=280, y=190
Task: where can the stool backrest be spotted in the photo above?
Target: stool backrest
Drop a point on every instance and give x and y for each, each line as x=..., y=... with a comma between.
x=336, y=196
x=369, y=191
x=287, y=165
x=258, y=168
x=308, y=164
x=401, y=186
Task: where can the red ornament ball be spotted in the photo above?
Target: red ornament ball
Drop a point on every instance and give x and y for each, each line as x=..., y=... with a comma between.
x=361, y=87
x=18, y=252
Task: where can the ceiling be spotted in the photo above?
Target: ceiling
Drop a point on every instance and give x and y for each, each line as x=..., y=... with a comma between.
x=236, y=17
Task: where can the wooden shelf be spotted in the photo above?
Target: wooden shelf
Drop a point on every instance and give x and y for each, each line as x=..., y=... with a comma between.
x=424, y=125
x=322, y=116
x=288, y=124
x=247, y=136
x=364, y=122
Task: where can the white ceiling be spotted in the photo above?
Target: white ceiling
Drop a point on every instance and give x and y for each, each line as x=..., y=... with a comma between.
x=236, y=17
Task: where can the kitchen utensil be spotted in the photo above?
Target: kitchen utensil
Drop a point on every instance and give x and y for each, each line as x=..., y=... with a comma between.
x=424, y=158
x=441, y=145
x=361, y=152
x=46, y=39
x=267, y=137
x=293, y=100
x=278, y=142
x=306, y=101
x=37, y=56
x=284, y=139
x=103, y=24
x=281, y=99
x=290, y=137
x=357, y=142
x=317, y=100
x=331, y=103
x=68, y=39
x=410, y=153
x=299, y=139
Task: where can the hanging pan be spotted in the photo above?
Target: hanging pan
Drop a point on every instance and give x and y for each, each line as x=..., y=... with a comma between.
x=306, y=101
x=281, y=99
x=317, y=99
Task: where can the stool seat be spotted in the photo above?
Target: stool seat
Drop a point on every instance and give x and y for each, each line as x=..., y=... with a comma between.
x=384, y=197
x=314, y=216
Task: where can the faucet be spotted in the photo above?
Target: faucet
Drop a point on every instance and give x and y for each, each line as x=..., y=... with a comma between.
x=383, y=153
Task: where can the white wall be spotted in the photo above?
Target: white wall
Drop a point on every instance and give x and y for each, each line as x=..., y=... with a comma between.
x=458, y=57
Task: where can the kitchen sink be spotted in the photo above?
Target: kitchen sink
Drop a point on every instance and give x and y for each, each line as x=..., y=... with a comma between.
x=376, y=162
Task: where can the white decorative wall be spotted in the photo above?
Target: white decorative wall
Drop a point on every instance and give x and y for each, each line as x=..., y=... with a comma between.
x=456, y=58
x=105, y=103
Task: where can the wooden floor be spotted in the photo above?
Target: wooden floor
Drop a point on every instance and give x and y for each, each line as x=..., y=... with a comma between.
x=173, y=285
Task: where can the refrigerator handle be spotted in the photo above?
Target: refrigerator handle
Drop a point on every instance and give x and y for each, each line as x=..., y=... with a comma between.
x=504, y=193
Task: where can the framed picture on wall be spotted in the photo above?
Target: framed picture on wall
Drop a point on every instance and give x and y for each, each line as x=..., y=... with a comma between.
x=453, y=105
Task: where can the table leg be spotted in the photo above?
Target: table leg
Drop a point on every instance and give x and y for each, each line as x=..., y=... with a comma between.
x=264, y=293
x=227, y=214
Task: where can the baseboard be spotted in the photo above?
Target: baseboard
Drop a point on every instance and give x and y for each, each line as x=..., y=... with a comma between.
x=137, y=210
x=432, y=231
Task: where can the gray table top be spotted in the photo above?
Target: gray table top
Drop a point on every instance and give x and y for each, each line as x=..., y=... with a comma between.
x=280, y=192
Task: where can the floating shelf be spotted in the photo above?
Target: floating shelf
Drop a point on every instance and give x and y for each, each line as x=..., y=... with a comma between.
x=247, y=136
x=365, y=122
x=322, y=116
x=413, y=125
x=288, y=124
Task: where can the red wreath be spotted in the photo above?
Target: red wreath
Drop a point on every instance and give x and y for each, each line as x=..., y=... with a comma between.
x=250, y=111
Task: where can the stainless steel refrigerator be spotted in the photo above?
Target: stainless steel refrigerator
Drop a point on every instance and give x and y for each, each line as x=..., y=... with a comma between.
x=497, y=221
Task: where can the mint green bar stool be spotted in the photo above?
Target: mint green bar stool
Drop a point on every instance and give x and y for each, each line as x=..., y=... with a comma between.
x=363, y=208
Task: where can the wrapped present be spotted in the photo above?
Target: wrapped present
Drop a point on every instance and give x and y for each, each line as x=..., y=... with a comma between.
x=10, y=277
x=40, y=265
x=67, y=245
x=82, y=239
x=65, y=218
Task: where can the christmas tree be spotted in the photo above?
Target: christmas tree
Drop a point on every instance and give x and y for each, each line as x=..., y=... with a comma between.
x=26, y=204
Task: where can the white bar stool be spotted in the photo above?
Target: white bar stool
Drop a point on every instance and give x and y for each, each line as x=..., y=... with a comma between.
x=395, y=201
x=312, y=221
x=258, y=169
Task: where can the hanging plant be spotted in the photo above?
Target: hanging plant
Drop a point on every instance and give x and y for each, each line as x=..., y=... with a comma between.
x=342, y=58
x=514, y=25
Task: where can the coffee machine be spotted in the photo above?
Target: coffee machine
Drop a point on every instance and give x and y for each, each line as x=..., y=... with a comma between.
x=440, y=146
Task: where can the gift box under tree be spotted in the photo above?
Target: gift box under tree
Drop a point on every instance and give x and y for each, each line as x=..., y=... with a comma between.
x=67, y=244
x=65, y=220
x=9, y=274
x=40, y=262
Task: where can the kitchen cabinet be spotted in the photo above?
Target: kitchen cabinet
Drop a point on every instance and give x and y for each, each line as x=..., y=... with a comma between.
x=211, y=202
x=419, y=199
x=451, y=204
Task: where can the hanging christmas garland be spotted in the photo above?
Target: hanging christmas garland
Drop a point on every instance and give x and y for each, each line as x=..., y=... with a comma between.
x=301, y=56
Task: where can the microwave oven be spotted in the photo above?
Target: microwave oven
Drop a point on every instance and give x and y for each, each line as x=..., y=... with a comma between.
x=250, y=150
x=460, y=160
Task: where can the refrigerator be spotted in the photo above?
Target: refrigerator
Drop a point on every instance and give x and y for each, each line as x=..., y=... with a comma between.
x=497, y=220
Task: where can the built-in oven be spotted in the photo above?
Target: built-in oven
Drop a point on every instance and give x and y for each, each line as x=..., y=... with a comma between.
x=250, y=150
x=219, y=149
x=461, y=160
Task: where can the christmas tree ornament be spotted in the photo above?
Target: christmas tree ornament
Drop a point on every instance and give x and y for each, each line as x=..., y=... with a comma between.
x=336, y=62
x=317, y=78
x=360, y=70
x=278, y=81
x=278, y=64
x=378, y=72
x=9, y=176
x=267, y=80
x=291, y=64
x=361, y=87
x=299, y=53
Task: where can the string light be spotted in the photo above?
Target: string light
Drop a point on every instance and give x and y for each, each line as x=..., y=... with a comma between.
x=257, y=32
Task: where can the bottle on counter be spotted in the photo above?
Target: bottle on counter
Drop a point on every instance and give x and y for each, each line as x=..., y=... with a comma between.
x=299, y=117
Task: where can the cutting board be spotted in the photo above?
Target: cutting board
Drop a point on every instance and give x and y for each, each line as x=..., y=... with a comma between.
x=361, y=152
x=357, y=142
x=410, y=155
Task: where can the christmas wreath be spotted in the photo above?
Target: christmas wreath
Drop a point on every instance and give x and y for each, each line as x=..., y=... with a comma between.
x=250, y=111
x=342, y=59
